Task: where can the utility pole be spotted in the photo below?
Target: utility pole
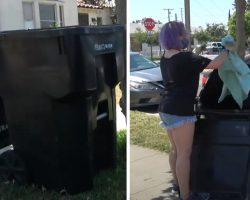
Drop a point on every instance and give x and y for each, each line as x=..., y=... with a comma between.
x=176, y=17
x=187, y=20
x=169, y=12
x=182, y=14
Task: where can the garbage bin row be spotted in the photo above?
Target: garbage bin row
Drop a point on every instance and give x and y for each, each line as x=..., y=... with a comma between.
x=58, y=91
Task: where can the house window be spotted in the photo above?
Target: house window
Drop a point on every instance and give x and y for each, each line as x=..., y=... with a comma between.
x=47, y=15
x=28, y=15
x=83, y=19
x=61, y=15
x=99, y=21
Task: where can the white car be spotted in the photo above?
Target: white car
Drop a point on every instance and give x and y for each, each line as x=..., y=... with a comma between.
x=145, y=81
x=214, y=47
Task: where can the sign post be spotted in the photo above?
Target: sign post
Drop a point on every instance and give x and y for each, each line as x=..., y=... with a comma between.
x=149, y=24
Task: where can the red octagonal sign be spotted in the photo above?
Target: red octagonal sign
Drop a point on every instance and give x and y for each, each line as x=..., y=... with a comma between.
x=149, y=24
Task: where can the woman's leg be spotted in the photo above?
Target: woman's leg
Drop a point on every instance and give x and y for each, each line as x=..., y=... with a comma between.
x=172, y=156
x=183, y=139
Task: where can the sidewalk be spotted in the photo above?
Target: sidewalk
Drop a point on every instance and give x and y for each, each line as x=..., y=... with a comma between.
x=150, y=176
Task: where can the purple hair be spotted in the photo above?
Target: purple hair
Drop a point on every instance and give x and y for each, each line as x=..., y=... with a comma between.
x=170, y=33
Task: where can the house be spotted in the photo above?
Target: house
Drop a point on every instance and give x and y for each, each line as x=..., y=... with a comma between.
x=30, y=14
x=90, y=14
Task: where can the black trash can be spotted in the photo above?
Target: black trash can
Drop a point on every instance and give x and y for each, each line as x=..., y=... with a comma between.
x=57, y=87
x=5, y=143
x=220, y=160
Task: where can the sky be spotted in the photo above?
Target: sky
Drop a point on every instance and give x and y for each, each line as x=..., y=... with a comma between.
x=201, y=11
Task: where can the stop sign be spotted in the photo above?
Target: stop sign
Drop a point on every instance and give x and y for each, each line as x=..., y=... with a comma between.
x=149, y=24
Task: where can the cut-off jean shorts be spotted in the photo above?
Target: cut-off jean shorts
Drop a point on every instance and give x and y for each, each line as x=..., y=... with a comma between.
x=169, y=121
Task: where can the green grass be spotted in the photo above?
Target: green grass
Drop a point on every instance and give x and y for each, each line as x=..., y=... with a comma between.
x=108, y=184
x=146, y=132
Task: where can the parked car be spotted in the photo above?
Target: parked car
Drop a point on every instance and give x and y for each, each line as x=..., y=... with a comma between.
x=214, y=47
x=145, y=81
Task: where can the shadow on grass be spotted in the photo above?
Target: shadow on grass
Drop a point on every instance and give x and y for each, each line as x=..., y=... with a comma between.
x=146, y=109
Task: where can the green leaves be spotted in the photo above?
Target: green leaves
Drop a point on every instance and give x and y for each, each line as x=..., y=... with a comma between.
x=213, y=32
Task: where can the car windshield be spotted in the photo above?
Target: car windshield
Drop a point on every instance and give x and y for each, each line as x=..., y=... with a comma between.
x=139, y=62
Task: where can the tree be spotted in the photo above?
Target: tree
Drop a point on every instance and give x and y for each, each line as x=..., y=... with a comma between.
x=216, y=31
x=138, y=38
x=240, y=24
x=213, y=32
x=232, y=24
x=201, y=35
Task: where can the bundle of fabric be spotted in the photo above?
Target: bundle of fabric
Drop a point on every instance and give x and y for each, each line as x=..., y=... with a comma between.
x=235, y=74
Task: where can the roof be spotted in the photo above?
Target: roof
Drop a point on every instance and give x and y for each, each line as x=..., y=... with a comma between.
x=83, y=4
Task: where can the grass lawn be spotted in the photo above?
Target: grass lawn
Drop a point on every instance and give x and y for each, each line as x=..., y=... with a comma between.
x=109, y=184
x=145, y=131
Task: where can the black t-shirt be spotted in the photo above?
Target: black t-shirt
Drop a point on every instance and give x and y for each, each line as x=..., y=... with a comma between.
x=181, y=80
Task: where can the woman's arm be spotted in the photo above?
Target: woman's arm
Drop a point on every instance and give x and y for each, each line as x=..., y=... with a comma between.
x=218, y=61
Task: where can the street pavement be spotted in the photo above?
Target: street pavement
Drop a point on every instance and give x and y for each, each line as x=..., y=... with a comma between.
x=150, y=175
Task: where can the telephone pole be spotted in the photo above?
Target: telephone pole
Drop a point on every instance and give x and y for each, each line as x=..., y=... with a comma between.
x=182, y=14
x=187, y=20
x=169, y=12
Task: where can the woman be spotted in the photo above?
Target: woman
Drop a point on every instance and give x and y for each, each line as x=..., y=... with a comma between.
x=180, y=72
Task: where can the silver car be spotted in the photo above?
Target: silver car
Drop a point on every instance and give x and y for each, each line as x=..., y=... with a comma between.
x=145, y=81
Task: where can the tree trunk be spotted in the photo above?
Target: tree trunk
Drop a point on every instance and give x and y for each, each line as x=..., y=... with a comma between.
x=121, y=11
x=240, y=27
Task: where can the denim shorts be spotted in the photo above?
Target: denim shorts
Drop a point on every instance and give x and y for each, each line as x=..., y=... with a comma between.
x=169, y=121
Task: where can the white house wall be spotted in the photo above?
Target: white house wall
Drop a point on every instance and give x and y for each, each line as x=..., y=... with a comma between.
x=11, y=13
x=71, y=13
x=104, y=13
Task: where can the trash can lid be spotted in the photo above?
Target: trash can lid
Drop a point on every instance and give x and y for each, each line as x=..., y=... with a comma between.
x=225, y=112
x=61, y=31
x=209, y=95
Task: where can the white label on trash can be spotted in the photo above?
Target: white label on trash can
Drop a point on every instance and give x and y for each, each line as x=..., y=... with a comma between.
x=101, y=47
